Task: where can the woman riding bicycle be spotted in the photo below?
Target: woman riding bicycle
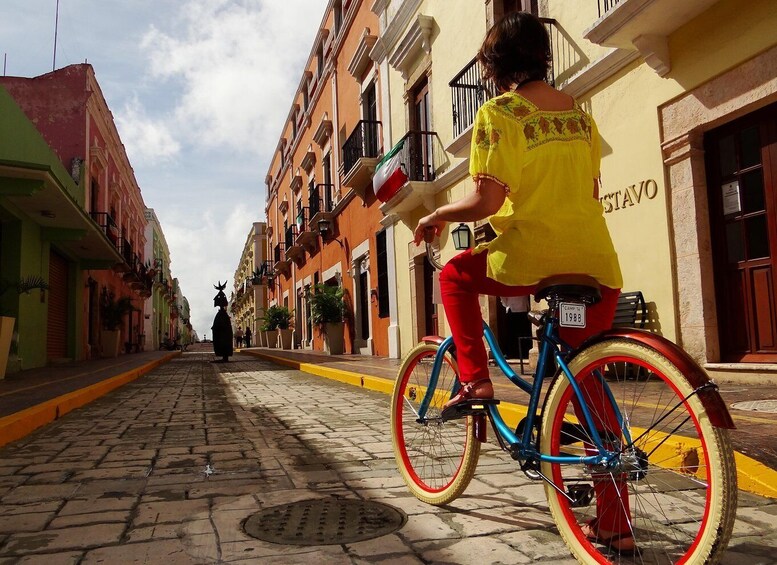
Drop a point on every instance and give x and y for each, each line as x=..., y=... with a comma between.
x=535, y=163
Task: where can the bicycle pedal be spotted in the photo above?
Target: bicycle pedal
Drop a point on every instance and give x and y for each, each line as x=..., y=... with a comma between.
x=469, y=407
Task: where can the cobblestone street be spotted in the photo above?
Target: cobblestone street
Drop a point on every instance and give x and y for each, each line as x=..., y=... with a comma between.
x=167, y=468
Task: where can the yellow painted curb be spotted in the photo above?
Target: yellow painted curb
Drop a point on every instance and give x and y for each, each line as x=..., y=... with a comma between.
x=24, y=422
x=752, y=476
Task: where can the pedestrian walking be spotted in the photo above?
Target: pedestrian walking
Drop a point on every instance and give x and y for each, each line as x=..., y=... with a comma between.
x=239, y=337
x=247, y=337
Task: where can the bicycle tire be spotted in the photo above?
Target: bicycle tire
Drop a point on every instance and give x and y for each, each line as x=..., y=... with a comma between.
x=679, y=493
x=437, y=459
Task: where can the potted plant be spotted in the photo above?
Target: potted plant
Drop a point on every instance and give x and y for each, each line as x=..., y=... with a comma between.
x=112, y=311
x=327, y=311
x=7, y=322
x=279, y=318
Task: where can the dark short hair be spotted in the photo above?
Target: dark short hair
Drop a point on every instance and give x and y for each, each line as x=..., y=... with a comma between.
x=516, y=49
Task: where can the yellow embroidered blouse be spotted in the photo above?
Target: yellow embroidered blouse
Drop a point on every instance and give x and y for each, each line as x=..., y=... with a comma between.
x=550, y=223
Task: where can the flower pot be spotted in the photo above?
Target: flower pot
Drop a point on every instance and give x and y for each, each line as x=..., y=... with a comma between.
x=285, y=338
x=6, y=333
x=334, y=338
x=110, y=340
x=271, y=339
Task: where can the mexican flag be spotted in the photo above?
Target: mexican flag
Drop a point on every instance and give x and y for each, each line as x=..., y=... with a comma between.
x=389, y=175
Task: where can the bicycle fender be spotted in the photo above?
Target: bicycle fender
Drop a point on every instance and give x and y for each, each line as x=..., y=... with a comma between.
x=710, y=398
x=432, y=339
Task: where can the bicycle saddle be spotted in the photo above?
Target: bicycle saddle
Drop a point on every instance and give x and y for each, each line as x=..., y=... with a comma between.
x=573, y=288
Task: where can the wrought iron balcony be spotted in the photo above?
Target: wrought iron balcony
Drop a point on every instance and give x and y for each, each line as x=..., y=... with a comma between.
x=606, y=5
x=306, y=235
x=360, y=154
x=108, y=226
x=321, y=204
x=469, y=91
x=281, y=263
x=294, y=250
x=418, y=155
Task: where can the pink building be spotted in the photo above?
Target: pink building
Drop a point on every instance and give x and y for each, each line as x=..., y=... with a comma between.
x=68, y=108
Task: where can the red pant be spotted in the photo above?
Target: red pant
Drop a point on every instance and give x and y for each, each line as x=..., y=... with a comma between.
x=464, y=278
x=461, y=282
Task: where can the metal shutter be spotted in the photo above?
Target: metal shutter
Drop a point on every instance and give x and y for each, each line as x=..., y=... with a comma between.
x=56, y=340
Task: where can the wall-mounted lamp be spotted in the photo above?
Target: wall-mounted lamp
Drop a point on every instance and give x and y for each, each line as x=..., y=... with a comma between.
x=325, y=231
x=462, y=237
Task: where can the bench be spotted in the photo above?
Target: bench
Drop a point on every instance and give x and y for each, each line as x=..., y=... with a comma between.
x=631, y=311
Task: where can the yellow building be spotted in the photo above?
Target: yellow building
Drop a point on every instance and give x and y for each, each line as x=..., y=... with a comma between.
x=249, y=296
x=684, y=96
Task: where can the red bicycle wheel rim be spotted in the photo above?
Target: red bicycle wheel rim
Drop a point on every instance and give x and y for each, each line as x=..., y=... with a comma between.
x=407, y=464
x=555, y=448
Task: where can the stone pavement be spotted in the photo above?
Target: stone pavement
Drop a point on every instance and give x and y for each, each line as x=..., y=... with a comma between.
x=168, y=467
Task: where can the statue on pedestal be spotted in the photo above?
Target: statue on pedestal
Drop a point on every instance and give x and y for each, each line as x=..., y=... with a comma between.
x=222, y=326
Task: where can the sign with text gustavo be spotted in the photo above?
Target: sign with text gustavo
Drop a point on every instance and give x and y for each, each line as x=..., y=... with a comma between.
x=629, y=196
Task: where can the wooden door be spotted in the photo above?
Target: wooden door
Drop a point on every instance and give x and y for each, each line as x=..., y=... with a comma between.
x=741, y=173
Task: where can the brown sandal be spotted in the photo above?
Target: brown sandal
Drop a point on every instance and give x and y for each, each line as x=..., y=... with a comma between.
x=481, y=389
x=611, y=541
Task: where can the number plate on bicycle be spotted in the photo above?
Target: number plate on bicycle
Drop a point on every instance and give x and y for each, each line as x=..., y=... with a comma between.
x=571, y=315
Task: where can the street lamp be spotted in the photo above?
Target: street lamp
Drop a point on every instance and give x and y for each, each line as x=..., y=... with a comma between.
x=462, y=237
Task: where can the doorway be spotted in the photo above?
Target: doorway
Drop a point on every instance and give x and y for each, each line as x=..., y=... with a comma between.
x=741, y=161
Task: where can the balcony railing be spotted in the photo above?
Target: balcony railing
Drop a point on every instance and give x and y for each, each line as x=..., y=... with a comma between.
x=417, y=156
x=291, y=234
x=126, y=251
x=279, y=253
x=469, y=91
x=364, y=141
x=108, y=226
x=301, y=220
x=606, y=5
x=320, y=199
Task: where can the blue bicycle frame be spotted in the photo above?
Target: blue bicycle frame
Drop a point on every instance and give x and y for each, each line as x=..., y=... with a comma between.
x=551, y=347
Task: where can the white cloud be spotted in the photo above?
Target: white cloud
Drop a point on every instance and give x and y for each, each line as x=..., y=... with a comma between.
x=145, y=139
x=199, y=90
x=239, y=64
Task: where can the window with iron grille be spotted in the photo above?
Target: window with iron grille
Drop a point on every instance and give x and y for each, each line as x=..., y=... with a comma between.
x=383, y=284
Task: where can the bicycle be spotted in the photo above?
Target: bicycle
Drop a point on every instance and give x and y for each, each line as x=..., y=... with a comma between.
x=657, y=434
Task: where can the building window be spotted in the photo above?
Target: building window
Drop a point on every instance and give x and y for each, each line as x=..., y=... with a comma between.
x=383, y=284
x=338, y=15
x=320, y=57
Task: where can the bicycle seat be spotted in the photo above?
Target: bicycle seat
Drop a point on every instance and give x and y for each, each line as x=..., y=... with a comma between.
x=572, y=288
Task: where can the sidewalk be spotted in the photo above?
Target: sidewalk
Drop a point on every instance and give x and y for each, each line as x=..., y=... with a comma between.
x=34, y=398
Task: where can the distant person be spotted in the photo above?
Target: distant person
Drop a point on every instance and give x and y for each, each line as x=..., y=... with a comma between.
x=247, y=337
x=239, y=337
x=222, y=326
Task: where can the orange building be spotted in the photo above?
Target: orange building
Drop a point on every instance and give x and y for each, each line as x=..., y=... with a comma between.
x=323, y=220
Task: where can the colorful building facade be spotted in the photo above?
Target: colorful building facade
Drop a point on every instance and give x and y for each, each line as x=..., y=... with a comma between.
x=684, y=97
x=323, y=220
x=249, y=296
x=45, y=233
x=71, y=115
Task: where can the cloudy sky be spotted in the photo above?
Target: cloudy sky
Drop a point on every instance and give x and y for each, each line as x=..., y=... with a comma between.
x=199, y=90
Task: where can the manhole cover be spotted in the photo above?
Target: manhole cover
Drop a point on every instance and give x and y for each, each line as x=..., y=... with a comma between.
x=324, y=521
x=756, y=405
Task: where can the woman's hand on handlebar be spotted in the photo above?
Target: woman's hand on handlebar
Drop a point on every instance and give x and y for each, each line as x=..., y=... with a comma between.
x=428, y=227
